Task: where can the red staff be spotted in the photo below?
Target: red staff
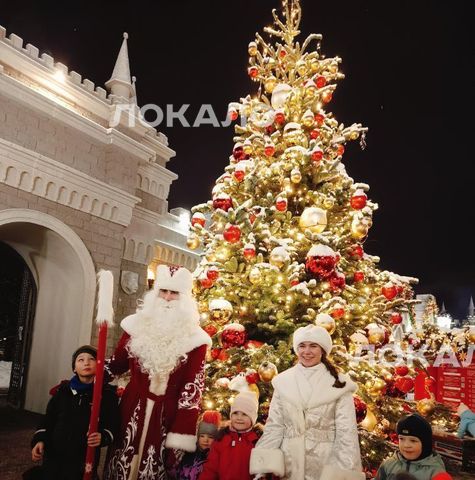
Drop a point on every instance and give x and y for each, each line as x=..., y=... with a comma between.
x=104, y=319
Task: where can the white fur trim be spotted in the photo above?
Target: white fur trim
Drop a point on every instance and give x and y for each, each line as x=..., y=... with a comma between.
x=267, y=460
x=179, y=280
x=181, y=441
x=333, y=473
x=105, y=310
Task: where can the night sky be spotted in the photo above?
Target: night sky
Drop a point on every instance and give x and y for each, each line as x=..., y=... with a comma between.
x=409, y=78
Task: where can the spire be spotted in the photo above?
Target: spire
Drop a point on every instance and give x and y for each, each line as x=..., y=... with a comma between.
x=120, y=83
x=471, y=308
x=133, y=98
x=443, y=311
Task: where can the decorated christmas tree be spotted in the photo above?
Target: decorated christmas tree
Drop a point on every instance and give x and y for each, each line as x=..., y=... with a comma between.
x=283, y=245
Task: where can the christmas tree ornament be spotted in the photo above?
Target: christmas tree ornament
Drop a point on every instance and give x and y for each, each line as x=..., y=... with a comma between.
x=359, y=228
x=253, y=344
x=193, y=241
x=358, y=200
x=319, y=119
x=279, y=95
x=401, y=370
x=212, y=273
x=295, y=175
x=301, y=67
x=220, y=310
x=247, y=147
x=376, y=334
x=389, y=290
x=279, y=257
x=222, y=201
x=210, y=329
x=308, y=118
x=233, y=113
x=327, y=96
x=337, y=282
x=313, y=219
x=326, y=321
x=252, y=376
x=238, y=152
x=281, y=204
x=310, y=90
x=205, y=282
x=370, y=421
x=321, y=262
x=426, y=406
x=222, y=382
x=360, y=408
x=358, y=341
x=232, y=233
x=240, y=172
x=358, y=277
x=279, y=117
x=328, y=203
x=396, y=318
x=198, y=219
x=249, y=251
x=376, y=387
x=317, y=154
x=252, y=49
x=315, y=133
x=471, y=334
x=255, y=275
x=356, y=252
x=338, y=311
x=253, y=72
x=340, y=150
x=233, y=335
x=269, y=149
x=320, y=81
x=267, y=371
x=270, y=83
x=293, y=134
x=404, y=384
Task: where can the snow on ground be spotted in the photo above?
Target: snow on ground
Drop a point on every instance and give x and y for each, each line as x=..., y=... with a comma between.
x=5, y=372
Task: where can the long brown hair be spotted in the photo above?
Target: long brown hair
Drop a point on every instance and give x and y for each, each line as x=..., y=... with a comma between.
x=333, y=370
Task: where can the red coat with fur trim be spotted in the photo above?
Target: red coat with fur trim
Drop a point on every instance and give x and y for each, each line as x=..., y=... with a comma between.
x=228, y=457
x=173, y=417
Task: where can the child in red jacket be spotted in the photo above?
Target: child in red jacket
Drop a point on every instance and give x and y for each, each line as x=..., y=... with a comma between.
x=229, y=455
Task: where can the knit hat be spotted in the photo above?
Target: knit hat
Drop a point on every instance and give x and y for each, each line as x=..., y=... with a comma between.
x=416, y=426
x=84, y=349
x=209, y=424
x=178, y=279
x=312, y=333
x=246, y=402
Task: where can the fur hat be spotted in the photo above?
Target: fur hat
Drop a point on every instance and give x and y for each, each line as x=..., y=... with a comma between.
x=246, y=402
x=209, y=424
x=312, y=333
x=178, y=279
x=84, y=349
x=416, y=426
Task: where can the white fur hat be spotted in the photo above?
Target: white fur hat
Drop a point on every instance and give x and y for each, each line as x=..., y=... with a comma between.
x=312, y=333
x=178, y=279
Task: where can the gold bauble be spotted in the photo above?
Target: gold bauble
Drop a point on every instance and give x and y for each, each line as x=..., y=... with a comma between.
x=255, y=389
x=294, y=135
x=255, y=275
x=313, y=218
x=326, y=321
x=375, y=387
x=308, y=119
x=280, y=95
x=193, y=242
x=329, y=203
x=359, y=230
x=425, y=406
x=252, y=49
x=370, y=421
x=301, y=67
x=279, y=257
x=314, y=65
x=220, y=310
x=247, y=147
x=267, y=371
x=270, y=84
x=295, y=175
x=354, y=135
x=376, y=337
x=471, y=334
x=310, y=90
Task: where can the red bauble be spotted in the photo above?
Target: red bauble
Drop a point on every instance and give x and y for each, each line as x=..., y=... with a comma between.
x=249, y=252
x=314, y=134
x=358, y=277
x=319, y=119
x=281, y=204
x=337, y=313
x=356, y=251
x=396, y=318
x=389, y=291
x=198, y=219
x=252, y=377
x=317, y=155
x=295, y=282
x=404, y=384
x=253, y=344
x=215, y=352
x=337, y=282
x=282, y=53
x=321, y=267
x=320, y=81
x=232, y=234
x=224, y=203
x=238, y=153
x=206, y=283
x=394, y=437
x=239, y=175
x=269, y=150
x=279, y=118
x=270, y=129
x=400, y=289
x=327, y=96
x=233, y=114
x=212, y=273
x=211, y=330
x=401, y=370
x=231, y=337
x=253, y=72
x=360, y=408
x=358, y=202
x=340, y=150
x=392, y=390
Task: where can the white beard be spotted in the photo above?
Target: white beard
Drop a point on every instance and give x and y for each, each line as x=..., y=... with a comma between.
x=157, y=340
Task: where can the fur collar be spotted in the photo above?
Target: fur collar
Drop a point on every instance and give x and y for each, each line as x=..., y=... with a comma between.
x=323, y=392
x=199, y=337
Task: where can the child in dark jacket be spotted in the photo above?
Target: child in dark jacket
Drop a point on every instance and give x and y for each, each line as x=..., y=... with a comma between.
x=415, y=455
x=230, y=453
x=192, y=463
x=62, y=438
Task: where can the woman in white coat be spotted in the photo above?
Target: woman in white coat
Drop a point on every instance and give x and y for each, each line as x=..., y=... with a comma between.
x=312, y=421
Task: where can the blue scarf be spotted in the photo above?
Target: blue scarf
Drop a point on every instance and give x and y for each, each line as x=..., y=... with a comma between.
x=79, y=387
